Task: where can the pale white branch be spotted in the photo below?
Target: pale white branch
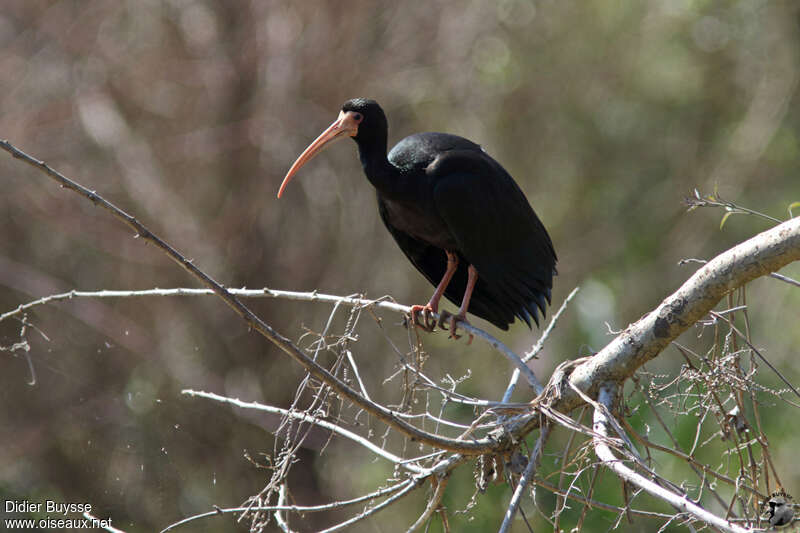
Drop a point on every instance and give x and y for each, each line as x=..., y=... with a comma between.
x=410, y=485
x=279, y=513
x=525, y=479
x=602, y=423
x=298, y=415
x=512, y=383
x=433, y=504
x=314, y=296
x=281, y=507
x=642, y=341
x=758, y=256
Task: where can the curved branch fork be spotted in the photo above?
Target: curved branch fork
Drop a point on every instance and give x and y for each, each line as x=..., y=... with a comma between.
x=602, y=422
x=758, y=256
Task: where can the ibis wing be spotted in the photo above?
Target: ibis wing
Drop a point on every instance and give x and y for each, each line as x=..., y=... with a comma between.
x=431, y=261
x=497, y=232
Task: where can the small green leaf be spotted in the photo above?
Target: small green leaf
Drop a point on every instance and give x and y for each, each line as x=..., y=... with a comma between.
x=792, y=206
x=722, y=222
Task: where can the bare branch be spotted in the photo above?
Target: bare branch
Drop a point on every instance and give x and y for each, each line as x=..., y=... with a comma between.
x=280, y=519
x=785, y=279
x=433, y=504
x=525, y=479
x=410, y=485
x=292, y=508
x=690, y=460
x=604, y=453
x=595, y=503
x=758, y=256
x=758, y=353
x=380, y=303
x=298, y=415
x=775, y=275
x=512, y=383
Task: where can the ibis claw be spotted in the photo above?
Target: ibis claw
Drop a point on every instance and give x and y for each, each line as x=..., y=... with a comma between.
x=428, y=323
x=453, y=321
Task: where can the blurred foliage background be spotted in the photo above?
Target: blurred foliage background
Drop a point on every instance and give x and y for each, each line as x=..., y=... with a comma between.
x=188, y=113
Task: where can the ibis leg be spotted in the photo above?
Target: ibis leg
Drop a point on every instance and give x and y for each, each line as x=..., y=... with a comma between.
x=433, y=304
x=461, y=316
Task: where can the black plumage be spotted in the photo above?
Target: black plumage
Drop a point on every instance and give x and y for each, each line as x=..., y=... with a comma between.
x=440, y=193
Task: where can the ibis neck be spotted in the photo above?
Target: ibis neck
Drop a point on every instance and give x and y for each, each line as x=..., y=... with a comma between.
x=384, y=176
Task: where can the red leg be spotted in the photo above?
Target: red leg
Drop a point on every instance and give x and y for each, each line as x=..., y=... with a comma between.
x=461, y=316
x=433, y=305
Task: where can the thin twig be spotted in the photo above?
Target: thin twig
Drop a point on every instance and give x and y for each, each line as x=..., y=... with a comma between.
x=695, y=465
x=411, y=484
x=433, y=504
x=715, y=200
x=525, y=479
x=785, y=279
x=293, y=508
x=314, y=296
x=605, y=398
x=691, y=461
x=758, y=353
x=594, y=503
x=304, y=417
x=561, y=501
x=537, y=348
x=775, y=275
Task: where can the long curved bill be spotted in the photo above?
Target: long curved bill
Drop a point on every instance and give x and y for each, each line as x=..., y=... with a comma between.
x=346, y=125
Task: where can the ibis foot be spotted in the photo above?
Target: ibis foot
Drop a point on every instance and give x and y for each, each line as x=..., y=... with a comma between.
x=453, y=320
x=428, y=322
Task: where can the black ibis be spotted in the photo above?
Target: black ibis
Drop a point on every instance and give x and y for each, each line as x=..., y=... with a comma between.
x=457, y=215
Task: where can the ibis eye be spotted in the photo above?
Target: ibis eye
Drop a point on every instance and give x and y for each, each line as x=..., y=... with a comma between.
x=358, y=116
